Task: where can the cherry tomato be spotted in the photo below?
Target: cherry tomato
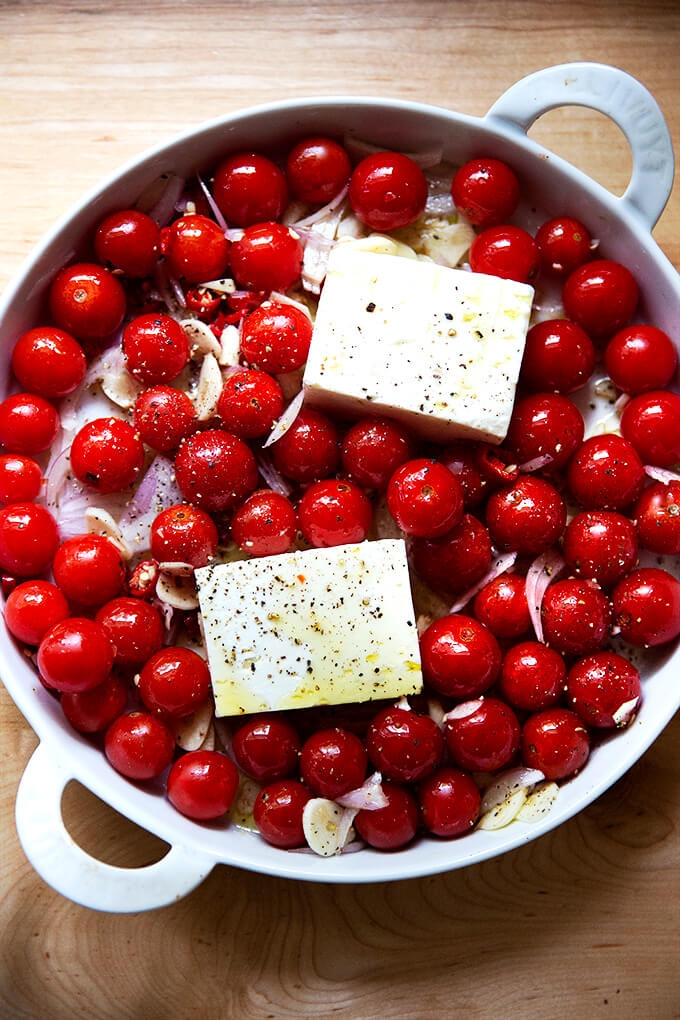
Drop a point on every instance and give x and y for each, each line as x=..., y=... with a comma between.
x=75, y=655
x=89, y=569
x=94, y=710
x=203, y=784
x=502, y=606
x=482, y=736
x=134, y=628
x=486, y=191
x=545, y=425
x=28, y=423
x=317, y=169
x=164, y=417
x=461, y=658
x=600, y=296
x=250, y=402
x=107, y=455
x=651, y=422
x=268, y=257
x=556, y=742
x=20, y=479
x=456, y=561
x=391, y=827
x=128, y=240
x=334, y=512
x=449, y=803
x=604, y=690
x=639, y=358
x=532, y=676
x=425, y=498
x=387, y=190
x=558, y=355
x=195, y=249
x=310, y=448
x=28, y=539
x=373, y=449
x=174, y=682
x=215, y=470
x=333, y=762
x=529, y=516
x=278, y=813
x=156, y=348
x=49, y=362
x=403, y=745
x=576, y=617
x=564, y=244
x=657, y=518
x=249, y=188
x=462, y=462
x=276, y=337
x=265, y=524
x=184, y=534
x=647, y=607
x=606, y=473
x=505, y=251
x=32, y=608
x=87, y=301
x=266, y=748
x=139, y=745
x=601, y=545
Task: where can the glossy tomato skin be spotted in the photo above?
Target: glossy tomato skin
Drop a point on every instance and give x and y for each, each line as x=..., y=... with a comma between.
x=640, y=358
x=87, y=301
x=275, y=337
x=545, y=424
x=373, y=449
x=558, y=355
x=267, y=748
x=657, y=518
x=174, y=682
x=249, y=188
x=75, y=655
x=486, y=738
x=195, y=248
x=403, y=745
x=425, y=498
x=310, y=449
x=202, y=784
x=32, y=608
x=134, y=628
x=532, y=677
x=606, y=473
x=651, y=423
x=505, y=251
x=156, y=348
x=449, y=803
x=107, y=455
x=89, y=569
x=602, y=685
x=461, y=461
x=528, y=517
x=215, y=470
x=94, y=710
x=556, y=742
x=28, y=423
x=600, y=296
x=164, y=417
x=461, y=658
x=576, y=617
x=250, y=402
x=20, y=479
x=278, y=813
x=317, y=169
x=502, y=606
x=49, y=362
x=334, y=512
x=647, y=607
x=139, y=745
x=128, y=240
x=265, y=524
x=391, y=827
x=387, y=190
x=564, y=244
x=601, y=545
x=28, y=539
x=486, y=191
x=268, y=257
x=455, y=561
x=333, y=762
x=184, y=534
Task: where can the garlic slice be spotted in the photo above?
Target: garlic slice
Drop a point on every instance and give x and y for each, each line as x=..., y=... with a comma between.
x=539, y=802
x=191, y=731
x=209, y=388
x=100, y=522
x=209, y=742
x=321, y=826
x=177, y=590
x=201, y=338
x=230, y=345
x=120, y=387
x=504, y=813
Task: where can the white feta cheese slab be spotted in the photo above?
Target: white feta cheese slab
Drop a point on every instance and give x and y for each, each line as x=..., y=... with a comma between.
x=317, y=627
x=439, y=349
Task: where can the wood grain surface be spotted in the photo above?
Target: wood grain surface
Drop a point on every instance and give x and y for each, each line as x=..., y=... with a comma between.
x=585, y=921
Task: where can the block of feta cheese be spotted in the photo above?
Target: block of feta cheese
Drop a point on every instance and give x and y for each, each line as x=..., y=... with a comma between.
x=439, y=349
x=317, y=627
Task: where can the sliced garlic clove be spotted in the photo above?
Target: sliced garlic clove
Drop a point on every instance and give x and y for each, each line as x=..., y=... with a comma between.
x=222, y=286
x=176, y=568
x=539, y=802
x=201, y=338
x=504, y=813
x=209, y=388
x=242, y=809
x=209, y=741
x=191, y=731
x=177, y=591
x=507, y=783
x=230, y=345
x=321, y=826
x=100, y=522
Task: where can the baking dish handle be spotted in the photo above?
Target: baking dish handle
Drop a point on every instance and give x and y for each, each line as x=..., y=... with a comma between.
x=616, y=94
x=77, y=875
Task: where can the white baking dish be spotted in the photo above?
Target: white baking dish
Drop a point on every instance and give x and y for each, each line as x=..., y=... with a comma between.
x=622, y=224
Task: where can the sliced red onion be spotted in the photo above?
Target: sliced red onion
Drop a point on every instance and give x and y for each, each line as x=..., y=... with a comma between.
x=625, y=712
x=436, y=712
x=367, y=797
x=161, y=280
x=358, y=148
x=463, y=710
x=661, y=474
x=284, y=299
x=324, y=211
x=621, y=402
x=156, y=491
x=354, y=847
x=507, y=784
x=233, y=234
x=275, y=481
x=213, y=204
x=536, y=463
x=177, y=291
x=545, y=569
x=498, y=567
x=165, y=206
x=286, y=420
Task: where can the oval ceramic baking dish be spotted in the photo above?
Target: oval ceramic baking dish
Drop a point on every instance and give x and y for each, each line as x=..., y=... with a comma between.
x=623, y=226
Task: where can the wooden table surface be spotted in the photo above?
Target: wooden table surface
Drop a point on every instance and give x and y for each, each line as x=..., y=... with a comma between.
x=582, y=922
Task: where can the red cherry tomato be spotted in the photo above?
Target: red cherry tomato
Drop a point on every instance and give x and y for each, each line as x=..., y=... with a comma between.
x=134, y=628
x=164, y=417
x=456, y=561
x=139, y=745
x=657, y=518
x=278, y=813
x=107, y=454
x=89, y=569
x=606, y=473
x=556, y=742
x=128, y=240
x=333, y=762
x=529, y=516
x=482, y=736
x=576, y=617
x=93, y=711
x=502, y=606
x=545, y=425
x=32, y=608
x=195, y=248
x=184, y=534
x=267, y=748
x=449, y=803
x=651, y=422
x=564, y=244
x=310, y=448
x=600, y=296
x=28, y=539
x=317, y=169
x=265, y=524
x=647, y=607
x=156, y=348
x=276, y=337
x=532, y=676
x=249, y=188
x=373, y=449
x=387, y=190
x=250, y=402
x=403, y=745
x=215, y=470
x=20, y=479
x=28, y=423
x=462, y=462
x=48, y=362
x=391, y=827
x=174, y=682
x=558, y=355
x=639, y=358
x=461, y=658
x=505, y=251
x=87, y=301
x=601, y=545
x=604, y=690
x=425, y=498
x=486, y=191
x=334, y=512
x=75, y=655
x=268, y=257
x=202, y=784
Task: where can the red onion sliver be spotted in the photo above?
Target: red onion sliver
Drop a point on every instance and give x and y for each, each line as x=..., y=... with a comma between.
x=621, y=402
x=275, y=481
x=354, y=847
x=463, y=710
x=358, y=149
x=324, y=211
x=536, y=463
x=177, y=291
x=500, y=566
x=286, y=420
x=367, y=797
x=233, y=234
x=213, y=204
x=625, y=712
x=284, y=299
x=545, y=569
x=436, y=712
x=165, y=206
x=661, y=474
